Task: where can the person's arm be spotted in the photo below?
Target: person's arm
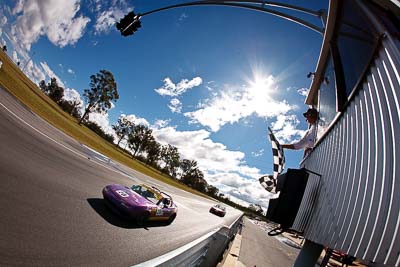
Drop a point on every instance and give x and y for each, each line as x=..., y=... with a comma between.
x=302, y=143
x=288, y=146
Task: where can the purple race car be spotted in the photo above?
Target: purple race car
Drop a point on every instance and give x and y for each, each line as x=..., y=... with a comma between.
x=144, y=203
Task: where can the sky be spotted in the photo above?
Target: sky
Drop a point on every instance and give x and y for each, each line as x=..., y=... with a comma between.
x=206, y=79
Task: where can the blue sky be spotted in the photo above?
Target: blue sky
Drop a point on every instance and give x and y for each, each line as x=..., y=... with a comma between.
x=208, y=80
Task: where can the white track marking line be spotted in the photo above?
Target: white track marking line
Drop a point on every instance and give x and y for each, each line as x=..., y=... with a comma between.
x=60, y=144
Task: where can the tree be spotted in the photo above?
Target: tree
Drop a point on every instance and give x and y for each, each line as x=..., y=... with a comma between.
x=256, y=208
x=103, y=90
x=193, y=176
x=199, y=183
x=55, y=92
x=140, y=138
x=43, y=86
x=123, y=128
x=98, y=130
x=187, y=167
x=153, y=150
x=71, y=107
x=171, y=158
x=75, y=111
x=212, y=191
x=52, y=89
x=75, y=104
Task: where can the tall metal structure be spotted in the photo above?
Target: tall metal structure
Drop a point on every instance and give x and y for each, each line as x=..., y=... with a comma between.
x=355, y=206
x=131, y=22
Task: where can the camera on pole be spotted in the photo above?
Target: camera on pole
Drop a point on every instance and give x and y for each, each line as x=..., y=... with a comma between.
x=129, y=24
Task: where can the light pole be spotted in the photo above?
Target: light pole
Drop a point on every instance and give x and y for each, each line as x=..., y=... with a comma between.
x=131, y=22
x=30, y=58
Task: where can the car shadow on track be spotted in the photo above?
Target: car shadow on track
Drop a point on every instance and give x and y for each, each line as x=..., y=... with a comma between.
x=99, y=205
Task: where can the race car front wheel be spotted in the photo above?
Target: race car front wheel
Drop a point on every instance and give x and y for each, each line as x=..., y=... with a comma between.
x=142, y=219
x=171, y=219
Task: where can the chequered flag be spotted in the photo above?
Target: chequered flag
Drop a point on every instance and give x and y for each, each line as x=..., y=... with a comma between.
x=277, y=153
x=269, y=181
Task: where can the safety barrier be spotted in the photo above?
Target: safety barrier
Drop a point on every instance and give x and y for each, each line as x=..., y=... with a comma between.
x=204, y=251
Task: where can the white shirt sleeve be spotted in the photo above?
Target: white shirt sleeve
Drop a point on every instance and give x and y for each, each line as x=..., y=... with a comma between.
x=308, y=139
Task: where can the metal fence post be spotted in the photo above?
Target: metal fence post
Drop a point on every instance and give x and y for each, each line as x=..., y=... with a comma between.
x=309, y=254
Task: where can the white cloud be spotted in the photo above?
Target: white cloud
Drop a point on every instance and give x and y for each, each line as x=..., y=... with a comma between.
x=250, y=193
x=234, y=103
x=258, y=153
x=73, y=96
x=103, y=121
x=106, y=17
x=50, y=73
x=15, y=56
x=34, y=72
x=303, y=91
x=95, y=5
x=55, y=19
x=246, y=190
x=105, y=21
x=161, y=123
x=175, y=105
x=209, y=86
x=3, y=20
x=71, y=71
x=171, y=89
x=183, y=17
x=222, y=168
x=136, y=120
x=18, y=7
x=284, y=128
x=211, y=156
x=3, y=42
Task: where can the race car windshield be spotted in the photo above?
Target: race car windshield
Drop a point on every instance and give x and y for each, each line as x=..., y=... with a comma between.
x=220, y=207
x=146, y=193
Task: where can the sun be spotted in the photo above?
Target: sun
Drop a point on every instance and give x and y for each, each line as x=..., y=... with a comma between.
x=261, y=84
x=258, y=84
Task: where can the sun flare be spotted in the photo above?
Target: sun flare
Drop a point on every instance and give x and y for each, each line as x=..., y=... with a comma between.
x=261, y=85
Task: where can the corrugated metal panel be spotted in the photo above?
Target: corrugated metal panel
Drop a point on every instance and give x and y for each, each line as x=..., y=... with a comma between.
x=355, y=206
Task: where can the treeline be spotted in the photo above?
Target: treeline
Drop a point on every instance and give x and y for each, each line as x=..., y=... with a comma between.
x=165, y=158
x=56, y=93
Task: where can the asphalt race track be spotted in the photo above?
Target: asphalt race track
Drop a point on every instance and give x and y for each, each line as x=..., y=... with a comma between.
x=52, y=212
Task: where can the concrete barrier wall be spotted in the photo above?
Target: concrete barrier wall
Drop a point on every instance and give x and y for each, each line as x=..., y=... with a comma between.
x=205, y=251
